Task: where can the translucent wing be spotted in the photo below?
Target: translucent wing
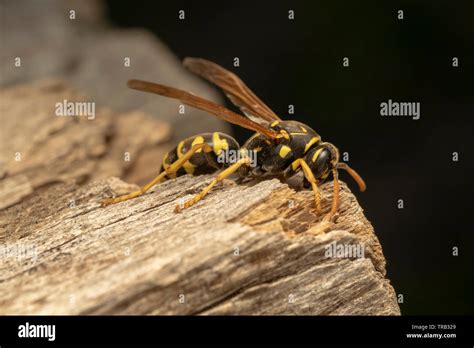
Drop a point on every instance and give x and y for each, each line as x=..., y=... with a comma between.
x=234, y=88
x=202, y=104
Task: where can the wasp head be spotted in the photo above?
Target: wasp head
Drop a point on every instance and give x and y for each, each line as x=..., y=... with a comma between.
x=324, y=159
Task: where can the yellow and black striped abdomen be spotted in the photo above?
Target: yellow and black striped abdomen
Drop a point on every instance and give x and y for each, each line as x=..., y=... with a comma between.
x=200, y=162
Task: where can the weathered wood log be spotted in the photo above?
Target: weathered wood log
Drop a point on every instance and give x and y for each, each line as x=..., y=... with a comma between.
x=245, y=249
x=253, y=248
x=39, y=148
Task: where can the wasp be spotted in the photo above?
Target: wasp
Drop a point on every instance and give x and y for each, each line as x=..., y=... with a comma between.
x=278, y=149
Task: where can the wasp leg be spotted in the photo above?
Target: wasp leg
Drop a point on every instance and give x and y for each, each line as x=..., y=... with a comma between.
x=335, y=199
x=221, y=176
x=311, y=179
x=173, y=168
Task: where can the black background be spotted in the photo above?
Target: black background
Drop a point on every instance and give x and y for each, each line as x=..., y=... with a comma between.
x=299, y=62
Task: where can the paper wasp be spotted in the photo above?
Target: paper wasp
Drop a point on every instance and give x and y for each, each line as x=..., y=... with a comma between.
x=281, y=148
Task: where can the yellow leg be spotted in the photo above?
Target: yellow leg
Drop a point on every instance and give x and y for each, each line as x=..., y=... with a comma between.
x=221, y=176
x=173, y=168
x=310, y=177
x=335, y=199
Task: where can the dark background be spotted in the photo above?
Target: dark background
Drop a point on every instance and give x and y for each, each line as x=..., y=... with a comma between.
x=299, y=62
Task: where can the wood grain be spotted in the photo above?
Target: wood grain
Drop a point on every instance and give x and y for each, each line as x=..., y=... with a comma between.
x=242, y=250
x=39, y=148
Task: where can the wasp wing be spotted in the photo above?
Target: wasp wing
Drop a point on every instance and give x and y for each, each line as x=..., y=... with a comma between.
x=235, y=89
x=202, y=104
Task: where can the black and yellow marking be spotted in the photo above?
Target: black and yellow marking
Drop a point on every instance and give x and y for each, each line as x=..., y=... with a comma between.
x=313, y=141
x=195, y=155
x=170, y=170
x=219, y=144
x=316, y=154
x=284, y=151
x=308, y=173
x=199, y=163
x=297, y=148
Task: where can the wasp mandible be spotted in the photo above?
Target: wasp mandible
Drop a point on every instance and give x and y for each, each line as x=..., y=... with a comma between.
x=281, y=148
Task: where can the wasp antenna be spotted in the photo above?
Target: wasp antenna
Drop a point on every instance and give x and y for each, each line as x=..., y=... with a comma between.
x=357, y=178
